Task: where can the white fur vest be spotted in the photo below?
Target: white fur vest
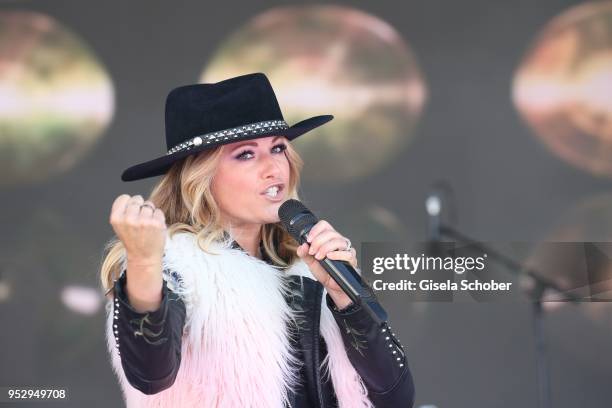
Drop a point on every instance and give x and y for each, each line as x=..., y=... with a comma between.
x=235, y=347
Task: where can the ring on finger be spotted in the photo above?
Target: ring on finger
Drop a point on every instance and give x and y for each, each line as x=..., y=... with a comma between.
x=148, y=205
x=348, y=245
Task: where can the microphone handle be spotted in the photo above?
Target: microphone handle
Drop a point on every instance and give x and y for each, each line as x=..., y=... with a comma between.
x=353, y=285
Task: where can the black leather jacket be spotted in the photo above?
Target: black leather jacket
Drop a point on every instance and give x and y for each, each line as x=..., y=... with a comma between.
x=150, y=348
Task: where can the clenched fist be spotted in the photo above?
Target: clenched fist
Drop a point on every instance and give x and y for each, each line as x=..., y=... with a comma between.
x=142, y=229
x=140, y=226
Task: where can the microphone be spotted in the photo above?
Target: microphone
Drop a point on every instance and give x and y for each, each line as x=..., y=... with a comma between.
x=298, y=220
x=440, y=211
x=433, y=206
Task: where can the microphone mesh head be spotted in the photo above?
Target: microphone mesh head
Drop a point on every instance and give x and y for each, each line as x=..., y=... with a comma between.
x=288, y=213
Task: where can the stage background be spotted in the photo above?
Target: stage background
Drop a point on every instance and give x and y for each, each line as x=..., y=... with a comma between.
x=463, y=122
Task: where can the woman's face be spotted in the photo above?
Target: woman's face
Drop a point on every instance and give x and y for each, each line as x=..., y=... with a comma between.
x=251, y=180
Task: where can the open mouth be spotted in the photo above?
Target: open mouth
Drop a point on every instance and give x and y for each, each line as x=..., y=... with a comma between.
x=273, y=191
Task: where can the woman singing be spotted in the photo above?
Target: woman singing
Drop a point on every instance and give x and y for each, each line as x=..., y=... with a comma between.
x=212, y=303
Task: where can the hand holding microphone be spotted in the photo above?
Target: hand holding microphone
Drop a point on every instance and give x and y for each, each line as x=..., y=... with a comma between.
x=299, y=222
x=325, y=242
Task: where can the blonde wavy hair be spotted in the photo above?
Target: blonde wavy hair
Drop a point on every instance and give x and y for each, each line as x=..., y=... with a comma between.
x=185, y=196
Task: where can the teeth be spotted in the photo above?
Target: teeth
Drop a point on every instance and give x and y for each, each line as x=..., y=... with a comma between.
x=272, y=191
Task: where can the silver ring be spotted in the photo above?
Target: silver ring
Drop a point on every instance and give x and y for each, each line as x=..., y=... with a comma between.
x=147, y=205
x=348, y=244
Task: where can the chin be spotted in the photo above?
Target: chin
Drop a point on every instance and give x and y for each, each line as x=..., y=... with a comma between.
x=268, y=213
x=273, y=220
x=272, y=216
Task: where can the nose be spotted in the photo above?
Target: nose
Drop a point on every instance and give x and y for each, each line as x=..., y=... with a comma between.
x=270, y=167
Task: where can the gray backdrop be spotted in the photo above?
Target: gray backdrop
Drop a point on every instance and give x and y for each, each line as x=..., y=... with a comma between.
x=507, y=186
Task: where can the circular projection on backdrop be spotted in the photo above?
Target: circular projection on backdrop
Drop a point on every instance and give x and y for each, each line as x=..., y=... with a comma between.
x=332, y=60
x=51, y=264
x=576, y=254
x=55, y=98
x=563, y=87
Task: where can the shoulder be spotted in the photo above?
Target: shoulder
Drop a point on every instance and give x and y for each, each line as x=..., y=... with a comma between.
x=189, y=243
x=179, y=239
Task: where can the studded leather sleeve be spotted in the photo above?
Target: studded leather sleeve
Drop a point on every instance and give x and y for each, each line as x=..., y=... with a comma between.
x=377, y=356
x=149, y=344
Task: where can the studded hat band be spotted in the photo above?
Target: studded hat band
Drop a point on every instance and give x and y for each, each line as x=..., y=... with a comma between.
x=233, y=133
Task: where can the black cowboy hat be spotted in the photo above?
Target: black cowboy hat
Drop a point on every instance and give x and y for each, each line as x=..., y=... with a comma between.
x=202, y=116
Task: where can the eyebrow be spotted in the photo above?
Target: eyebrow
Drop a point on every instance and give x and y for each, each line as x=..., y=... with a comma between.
x=251, y=143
